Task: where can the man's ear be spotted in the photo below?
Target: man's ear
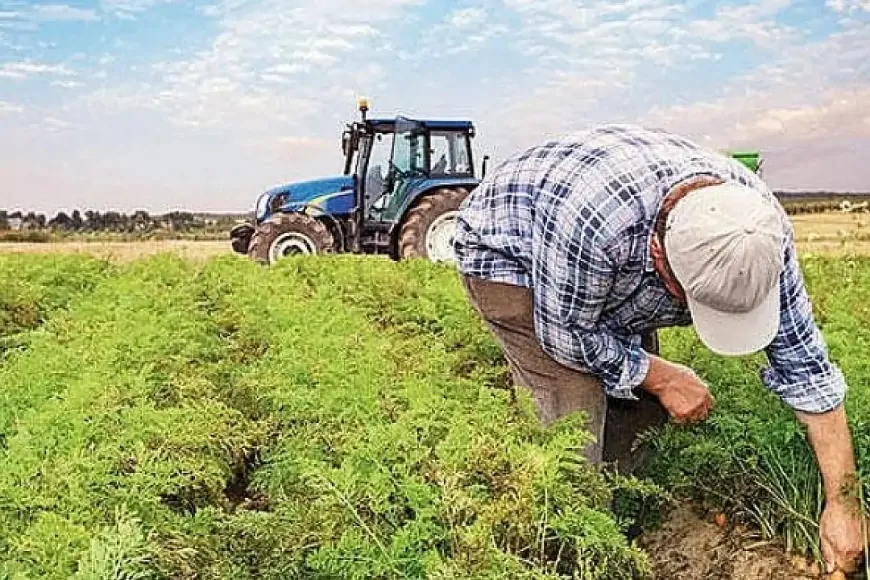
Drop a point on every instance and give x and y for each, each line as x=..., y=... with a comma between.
x=661, y=265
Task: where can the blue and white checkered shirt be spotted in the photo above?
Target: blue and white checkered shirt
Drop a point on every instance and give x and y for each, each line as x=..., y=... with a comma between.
x=573, y=219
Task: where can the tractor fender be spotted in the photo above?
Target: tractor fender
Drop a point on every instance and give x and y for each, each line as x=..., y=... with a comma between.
x=331, y=222
x=424, y=188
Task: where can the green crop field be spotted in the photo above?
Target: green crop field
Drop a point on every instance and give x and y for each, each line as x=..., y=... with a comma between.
x=346, y=418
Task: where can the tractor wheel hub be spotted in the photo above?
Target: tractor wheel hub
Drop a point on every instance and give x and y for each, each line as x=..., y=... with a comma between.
x=439, y=238
x=289, y=244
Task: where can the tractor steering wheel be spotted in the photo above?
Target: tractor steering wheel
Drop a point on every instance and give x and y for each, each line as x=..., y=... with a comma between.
x=399, y=172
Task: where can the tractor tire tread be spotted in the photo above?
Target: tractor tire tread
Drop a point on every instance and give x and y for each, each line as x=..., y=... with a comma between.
x=412, y=237
x=278, y=224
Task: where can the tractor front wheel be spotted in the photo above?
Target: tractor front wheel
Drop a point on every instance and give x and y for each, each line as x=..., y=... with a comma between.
x=430, y=225
x=290, y=234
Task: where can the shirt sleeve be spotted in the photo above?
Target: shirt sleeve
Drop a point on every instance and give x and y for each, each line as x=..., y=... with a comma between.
x=800, y=371
x=572, y=276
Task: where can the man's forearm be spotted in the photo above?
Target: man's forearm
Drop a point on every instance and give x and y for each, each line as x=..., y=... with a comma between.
x=829, y=435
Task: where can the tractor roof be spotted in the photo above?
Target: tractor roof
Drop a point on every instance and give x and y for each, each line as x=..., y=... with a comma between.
x=434, y=125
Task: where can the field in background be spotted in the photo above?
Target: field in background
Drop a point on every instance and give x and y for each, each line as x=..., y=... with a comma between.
x=123, y=251
x=830, y=233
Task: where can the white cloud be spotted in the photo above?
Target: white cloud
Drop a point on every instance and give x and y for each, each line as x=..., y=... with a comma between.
x=606, y=60
x=62, y=12
x=10, y=108
x=66, y=84
x=25, y=69
x=760, y=121
x=848, y=6
x=128, y=9
x=54, y=124
x=814, y=91
x=315, y=57
x=465, y=18
x=271, y=65
x=28, y=17
x=464, y=30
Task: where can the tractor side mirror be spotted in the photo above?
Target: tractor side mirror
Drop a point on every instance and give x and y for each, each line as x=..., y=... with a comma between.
x=345, y=141
x=483, y=166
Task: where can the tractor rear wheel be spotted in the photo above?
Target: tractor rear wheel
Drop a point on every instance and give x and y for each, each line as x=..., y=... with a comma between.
x=429, y=227
x=289, y=234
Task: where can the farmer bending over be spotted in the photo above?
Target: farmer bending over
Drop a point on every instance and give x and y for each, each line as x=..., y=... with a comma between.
x=574, y=250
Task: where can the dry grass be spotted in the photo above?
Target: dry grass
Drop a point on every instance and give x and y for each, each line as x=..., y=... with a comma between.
x=833, y=233
x=830, y=233
x=832, y=225
x=125, y=251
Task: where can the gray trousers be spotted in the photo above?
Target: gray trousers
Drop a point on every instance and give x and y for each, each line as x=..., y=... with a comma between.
x=556, y=389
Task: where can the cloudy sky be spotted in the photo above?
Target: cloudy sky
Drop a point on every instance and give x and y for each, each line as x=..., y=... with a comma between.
x=162, y=104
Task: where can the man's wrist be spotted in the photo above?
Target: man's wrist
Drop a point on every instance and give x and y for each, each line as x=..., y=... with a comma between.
x=844, y=492
x=657, y=375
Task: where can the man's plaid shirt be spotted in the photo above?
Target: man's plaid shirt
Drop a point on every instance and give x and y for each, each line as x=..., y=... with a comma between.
x=572, y=219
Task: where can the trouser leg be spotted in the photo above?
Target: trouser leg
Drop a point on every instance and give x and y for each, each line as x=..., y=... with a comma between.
x=626, y=419
x=556, y=389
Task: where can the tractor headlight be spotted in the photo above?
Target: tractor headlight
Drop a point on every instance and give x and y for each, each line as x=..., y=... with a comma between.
x=261, y=205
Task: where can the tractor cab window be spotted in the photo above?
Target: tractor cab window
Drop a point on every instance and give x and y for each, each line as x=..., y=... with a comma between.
x=448, y=154
x=408, y=150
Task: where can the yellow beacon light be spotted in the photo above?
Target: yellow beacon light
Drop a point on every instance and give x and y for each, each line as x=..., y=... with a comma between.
x=363, y=107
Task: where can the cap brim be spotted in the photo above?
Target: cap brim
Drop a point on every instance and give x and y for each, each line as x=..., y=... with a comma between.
x=737, y=334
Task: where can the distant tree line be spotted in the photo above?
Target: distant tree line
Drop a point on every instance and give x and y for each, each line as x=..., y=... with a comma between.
x=139, y=221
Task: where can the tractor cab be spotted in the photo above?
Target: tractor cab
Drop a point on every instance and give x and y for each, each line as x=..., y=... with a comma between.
x=391, y=158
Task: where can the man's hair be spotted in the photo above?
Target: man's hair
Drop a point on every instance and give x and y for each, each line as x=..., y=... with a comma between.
x=675, y=195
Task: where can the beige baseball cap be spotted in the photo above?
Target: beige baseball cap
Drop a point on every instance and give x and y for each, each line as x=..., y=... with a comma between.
x=725, y=246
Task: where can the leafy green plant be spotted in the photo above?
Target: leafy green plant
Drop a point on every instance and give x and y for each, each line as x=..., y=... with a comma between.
x=33, y=287
x=752, y=457
x=322, y=418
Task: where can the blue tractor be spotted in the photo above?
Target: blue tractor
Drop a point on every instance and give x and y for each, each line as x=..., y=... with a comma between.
x=402, y=185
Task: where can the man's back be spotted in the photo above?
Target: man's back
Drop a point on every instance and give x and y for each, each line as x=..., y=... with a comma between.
x=609, y=180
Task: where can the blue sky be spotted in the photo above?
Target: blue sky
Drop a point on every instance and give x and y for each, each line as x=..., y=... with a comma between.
x=163, y=104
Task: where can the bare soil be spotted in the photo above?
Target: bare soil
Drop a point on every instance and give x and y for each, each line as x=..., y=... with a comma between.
x=692, y=546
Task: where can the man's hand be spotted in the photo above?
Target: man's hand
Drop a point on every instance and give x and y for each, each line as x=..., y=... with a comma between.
x=842, y=536
x=679, y=389
x=840, y=527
